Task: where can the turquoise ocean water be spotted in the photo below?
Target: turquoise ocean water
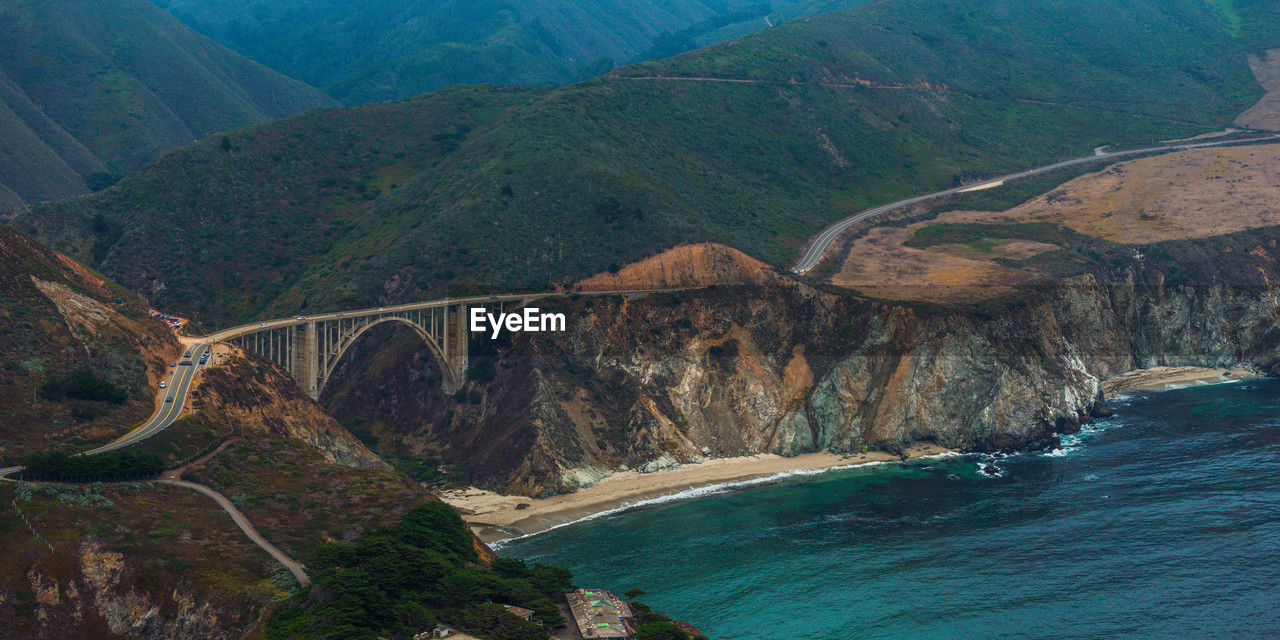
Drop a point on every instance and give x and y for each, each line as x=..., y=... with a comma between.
x=1160, y=522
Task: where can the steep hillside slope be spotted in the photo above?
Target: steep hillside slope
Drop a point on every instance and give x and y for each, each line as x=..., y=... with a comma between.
x=388, y=49
x=80, y=355
x=90, y=90
x=761, y=142
x=133, y=561
x=156, y=560
x=240, y=216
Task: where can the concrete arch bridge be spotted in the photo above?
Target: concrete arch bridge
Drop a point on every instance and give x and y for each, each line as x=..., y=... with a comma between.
x=310, y=347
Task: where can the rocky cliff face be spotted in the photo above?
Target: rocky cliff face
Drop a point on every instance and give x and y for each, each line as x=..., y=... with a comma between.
x=259, y=397
x=103, y=597
x=127, y=561
x=786, y=368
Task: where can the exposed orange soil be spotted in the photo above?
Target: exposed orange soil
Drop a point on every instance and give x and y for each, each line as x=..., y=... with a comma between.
x=693, y=265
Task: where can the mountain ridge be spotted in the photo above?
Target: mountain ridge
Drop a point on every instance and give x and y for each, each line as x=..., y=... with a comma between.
x=392, y=49
x=532, y=188
x=90, y=91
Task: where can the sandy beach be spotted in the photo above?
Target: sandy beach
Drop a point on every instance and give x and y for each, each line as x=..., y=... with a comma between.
x=1161, y=377
x=496, y=517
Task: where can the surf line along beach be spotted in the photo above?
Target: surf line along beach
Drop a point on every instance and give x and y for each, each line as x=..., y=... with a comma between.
x=495, y=517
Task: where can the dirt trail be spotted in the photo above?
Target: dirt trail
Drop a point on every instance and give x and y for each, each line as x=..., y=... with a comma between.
x=239, y=518
x=174, y=477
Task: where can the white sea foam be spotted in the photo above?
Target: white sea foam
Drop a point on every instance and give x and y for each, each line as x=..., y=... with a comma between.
x=1174, y=386
x=984, y=470
x=713, y=489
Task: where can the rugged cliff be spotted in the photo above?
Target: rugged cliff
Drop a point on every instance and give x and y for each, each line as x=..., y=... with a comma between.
x=784, y=367
x=255, y=396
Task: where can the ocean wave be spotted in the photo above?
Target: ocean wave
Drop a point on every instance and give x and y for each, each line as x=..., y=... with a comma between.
x=1174, y=386
x=988, y=469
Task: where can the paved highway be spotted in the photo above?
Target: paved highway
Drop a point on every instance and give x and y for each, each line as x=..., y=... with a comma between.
x=179, y=387
x=823, y=241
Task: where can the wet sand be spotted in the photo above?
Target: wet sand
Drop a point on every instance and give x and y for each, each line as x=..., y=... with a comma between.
x=496, y=517
x=1162, y=377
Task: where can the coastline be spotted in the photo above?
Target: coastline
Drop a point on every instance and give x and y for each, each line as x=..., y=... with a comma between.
x=1160, y=378
x=495, y=517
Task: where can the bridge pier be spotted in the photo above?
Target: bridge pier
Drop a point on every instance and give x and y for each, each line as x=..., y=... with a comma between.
x=456, y=351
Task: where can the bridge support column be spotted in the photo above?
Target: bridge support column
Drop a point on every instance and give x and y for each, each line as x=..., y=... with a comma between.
x=303, y=351
x=456, y=339
x=313, y=361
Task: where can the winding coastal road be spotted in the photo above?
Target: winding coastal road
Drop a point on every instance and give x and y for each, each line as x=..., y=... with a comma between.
x=823, y=241
x=183, y=376
x=180, y=381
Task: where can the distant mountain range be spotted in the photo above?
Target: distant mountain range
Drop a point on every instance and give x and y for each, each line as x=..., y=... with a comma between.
x=92, y=89
x=378, y=50
x=756, y=144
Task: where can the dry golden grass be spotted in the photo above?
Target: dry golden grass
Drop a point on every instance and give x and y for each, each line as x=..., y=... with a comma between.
x=1266, y=113
x=879, y=265
x=1190, y=194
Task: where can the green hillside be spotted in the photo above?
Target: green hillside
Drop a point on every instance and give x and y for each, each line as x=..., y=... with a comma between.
x=389, y=49
x=76, y=353
x=522, y=189
x=90, y=90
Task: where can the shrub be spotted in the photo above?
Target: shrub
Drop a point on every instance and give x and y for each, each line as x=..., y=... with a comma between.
x=397, y=581
x=493, y=621
x=482, y=371
x=99, y=180
x=660, y=631
x=82, y=384
x=113, y=465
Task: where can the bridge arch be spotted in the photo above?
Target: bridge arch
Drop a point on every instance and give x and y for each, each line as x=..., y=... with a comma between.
x=452, y=379
x=310, y=348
